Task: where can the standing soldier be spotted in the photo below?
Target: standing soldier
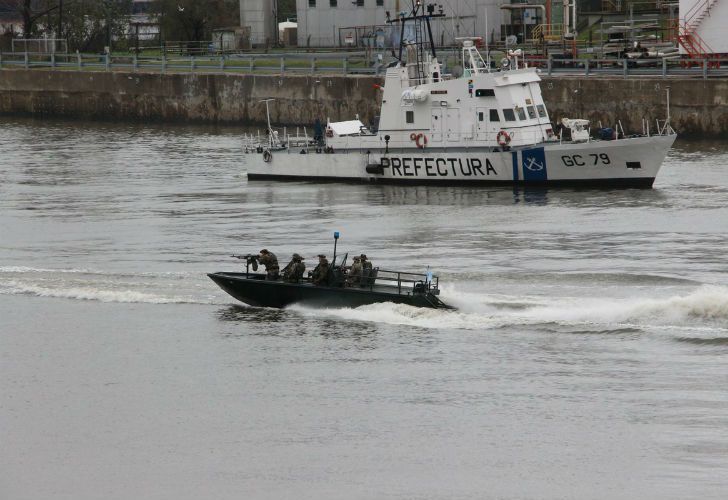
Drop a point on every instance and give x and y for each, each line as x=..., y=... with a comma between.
x=320, y=274
x=269, y=260
x=293, y=272
x=354, y=276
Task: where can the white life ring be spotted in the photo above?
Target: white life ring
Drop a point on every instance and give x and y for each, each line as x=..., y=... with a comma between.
x=423, y=139
x=267, y=156
x=503, y=138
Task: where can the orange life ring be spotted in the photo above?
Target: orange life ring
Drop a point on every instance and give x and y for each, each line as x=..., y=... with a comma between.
x=423, y=138
x=503, y=138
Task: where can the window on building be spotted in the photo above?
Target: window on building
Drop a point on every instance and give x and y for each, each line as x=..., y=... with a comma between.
x=332, y=3
x=521, y=113
x=481, y=115
x=494, y=115
x=409, y=116
x=380, y=3
x=312, y=3
x=360, y=3
x=531, y=112
x=541, y=110
x=509, y=115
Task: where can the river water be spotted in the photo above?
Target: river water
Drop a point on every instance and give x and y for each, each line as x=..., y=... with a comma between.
x=588, y=359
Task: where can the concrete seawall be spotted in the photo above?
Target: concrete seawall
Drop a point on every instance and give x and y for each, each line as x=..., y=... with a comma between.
x=698, y=107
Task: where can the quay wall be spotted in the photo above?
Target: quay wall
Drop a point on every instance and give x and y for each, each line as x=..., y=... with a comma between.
x=698, y=107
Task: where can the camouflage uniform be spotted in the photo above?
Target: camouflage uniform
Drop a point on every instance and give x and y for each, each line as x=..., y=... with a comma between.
x=293, y=272
x=269, y=260
x=354, y=276
x=366, y=270
x=320, y=274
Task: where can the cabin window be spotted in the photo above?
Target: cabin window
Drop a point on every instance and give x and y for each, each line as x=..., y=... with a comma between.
x=333, y=3
x=541, y=110
x=360, y=3
x=484, y=93
x=409, y=116
x=380, y=3
x=509, y=115
x=312, y=3
x=531, y=112
x=494, y=115
x=521, y=113
x=481, y=115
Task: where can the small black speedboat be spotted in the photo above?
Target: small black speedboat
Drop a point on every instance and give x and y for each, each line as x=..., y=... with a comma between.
x=374, y=286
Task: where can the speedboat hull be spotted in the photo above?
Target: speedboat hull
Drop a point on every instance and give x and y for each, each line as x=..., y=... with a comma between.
x=255, y=290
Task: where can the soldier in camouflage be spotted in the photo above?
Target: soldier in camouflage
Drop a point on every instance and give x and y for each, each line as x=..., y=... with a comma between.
x=320, y=274
x=269, y=260
x=354, y=276
x=293, y=272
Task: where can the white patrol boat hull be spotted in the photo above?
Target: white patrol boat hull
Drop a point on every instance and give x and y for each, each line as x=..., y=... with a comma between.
x=629, y=162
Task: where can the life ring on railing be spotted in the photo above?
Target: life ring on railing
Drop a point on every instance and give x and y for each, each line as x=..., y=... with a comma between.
x=421, y=141
x=413, y=136
x=267, y=156
x=329, y=132
x=503, y=138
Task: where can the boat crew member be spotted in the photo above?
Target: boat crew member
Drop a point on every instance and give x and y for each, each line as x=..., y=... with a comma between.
x=354, y=275
x=366, y=269
x=320, y=274
x=269, y=260
x=293, y=272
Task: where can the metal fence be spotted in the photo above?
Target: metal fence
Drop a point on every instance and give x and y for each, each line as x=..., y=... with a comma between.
x=348, y=63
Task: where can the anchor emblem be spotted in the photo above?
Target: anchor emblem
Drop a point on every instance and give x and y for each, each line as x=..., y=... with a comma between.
x=532, y=165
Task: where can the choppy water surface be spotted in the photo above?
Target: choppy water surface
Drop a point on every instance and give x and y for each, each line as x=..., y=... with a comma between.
x=589, y=357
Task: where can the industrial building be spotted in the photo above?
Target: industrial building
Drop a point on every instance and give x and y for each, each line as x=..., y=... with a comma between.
x=260, y=16
x=338, y=23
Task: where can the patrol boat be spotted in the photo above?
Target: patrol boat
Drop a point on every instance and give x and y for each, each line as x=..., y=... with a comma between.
x=487, y=125
x=373, y=286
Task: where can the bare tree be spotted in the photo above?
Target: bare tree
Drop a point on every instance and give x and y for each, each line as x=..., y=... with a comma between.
x=30, y=11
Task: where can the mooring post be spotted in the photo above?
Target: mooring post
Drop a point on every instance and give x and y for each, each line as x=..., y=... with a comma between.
x=164, y=62
x=192, y=63
x=705, y=68
x=283, y=64
x=586, y=67
x=252, y=64
x=313, y=65
x=624, y=67
x=27, y=62
x=53, y=59
x=79, y=60
x=107, y=61
x=345, y=65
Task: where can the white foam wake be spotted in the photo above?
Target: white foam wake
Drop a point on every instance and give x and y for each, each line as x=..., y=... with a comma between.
x=707, y=305
x=96, y=294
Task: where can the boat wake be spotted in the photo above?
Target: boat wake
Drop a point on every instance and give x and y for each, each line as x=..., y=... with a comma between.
x=706, y=306
x=103, y=286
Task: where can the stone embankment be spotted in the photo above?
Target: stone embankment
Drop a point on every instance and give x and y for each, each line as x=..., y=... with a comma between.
x=698, y=107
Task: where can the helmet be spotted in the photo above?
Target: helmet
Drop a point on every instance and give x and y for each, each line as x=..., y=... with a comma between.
x=297, y=257
x=264, y=251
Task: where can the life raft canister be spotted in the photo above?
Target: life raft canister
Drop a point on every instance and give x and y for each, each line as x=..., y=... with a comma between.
x=421, y=141
x=267, y=156
x=503, y=138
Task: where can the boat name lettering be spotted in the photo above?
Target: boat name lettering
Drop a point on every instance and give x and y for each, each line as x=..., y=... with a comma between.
x=439, y=167
x=582, y=160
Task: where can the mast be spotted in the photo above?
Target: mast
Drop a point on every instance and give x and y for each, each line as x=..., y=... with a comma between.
x=419, y=15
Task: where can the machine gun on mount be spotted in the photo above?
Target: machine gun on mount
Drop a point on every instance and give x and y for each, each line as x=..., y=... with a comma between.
x=251, y=260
